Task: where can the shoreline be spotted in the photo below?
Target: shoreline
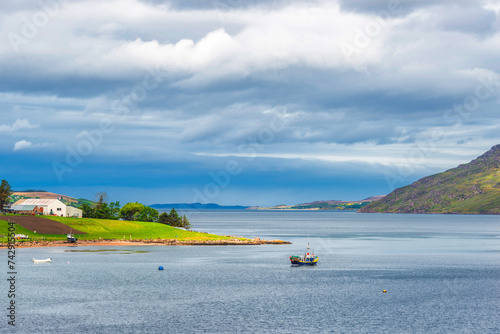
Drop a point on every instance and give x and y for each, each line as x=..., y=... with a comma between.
x=155, y=242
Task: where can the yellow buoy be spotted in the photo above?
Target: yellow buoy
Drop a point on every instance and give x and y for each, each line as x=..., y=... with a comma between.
x=384, y=291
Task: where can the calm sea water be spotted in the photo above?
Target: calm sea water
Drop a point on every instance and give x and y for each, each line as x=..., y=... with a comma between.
x=441, y=274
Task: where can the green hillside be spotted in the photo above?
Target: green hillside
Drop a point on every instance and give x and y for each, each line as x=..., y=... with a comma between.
x=114, y=229
x=470, y=188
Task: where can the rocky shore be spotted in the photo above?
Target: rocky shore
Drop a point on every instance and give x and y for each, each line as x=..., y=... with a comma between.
x=148, y=242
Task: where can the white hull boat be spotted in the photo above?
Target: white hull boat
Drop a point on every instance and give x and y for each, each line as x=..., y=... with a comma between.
x=42, y=260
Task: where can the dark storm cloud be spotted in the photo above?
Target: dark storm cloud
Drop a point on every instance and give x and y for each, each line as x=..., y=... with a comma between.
x=467, y=19
x=403, y=7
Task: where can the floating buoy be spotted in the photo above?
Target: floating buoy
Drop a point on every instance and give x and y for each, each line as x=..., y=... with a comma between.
x=160, y=268
x=384, y=291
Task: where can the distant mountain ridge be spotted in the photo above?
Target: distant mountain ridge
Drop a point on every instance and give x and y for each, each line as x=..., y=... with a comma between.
x=198, y=206
x=469, y=188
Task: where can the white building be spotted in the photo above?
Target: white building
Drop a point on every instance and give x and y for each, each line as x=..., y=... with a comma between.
x=46, y=207
x=71, y=211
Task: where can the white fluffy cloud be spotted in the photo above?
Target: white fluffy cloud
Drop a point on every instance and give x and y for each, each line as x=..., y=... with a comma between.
x=24, y=144
x=21, y=145
x=19, y=124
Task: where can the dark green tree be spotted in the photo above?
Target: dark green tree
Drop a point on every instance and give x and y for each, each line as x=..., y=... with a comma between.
x=163, y=218
x=173, y=218
x=102, y=211
x=87, y=211
x=114, y=208
x=5, y=192
x=148, y=214
x=185, y=223
x=101, y=208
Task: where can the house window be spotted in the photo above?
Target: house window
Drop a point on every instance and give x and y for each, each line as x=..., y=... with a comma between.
x=59, y=209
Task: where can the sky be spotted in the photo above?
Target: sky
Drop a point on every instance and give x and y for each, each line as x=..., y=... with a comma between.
x=244, y=102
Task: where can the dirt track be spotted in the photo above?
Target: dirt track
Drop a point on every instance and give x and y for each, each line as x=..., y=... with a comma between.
x=41, y=225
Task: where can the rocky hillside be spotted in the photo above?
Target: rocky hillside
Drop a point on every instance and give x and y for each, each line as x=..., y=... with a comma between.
x=469, y=188
x=17, y=195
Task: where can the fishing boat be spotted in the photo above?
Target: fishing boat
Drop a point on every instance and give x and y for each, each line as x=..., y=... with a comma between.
x=308, y=259
x=42, y=260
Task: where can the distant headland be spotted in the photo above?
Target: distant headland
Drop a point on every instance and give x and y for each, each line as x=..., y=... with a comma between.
x=324, y=205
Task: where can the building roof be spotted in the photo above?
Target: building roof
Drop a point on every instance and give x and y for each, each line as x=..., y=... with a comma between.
x=37, y=201
x=23, y=207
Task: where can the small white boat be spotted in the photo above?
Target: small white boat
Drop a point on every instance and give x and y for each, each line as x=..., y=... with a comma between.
x=42, y=260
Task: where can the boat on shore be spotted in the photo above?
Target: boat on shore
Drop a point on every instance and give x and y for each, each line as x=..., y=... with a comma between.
x=70, y=238
x=308, y=259
x=42, y=260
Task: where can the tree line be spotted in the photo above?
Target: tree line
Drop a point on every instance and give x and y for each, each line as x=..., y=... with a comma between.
x=173, y=219
x=133, y=211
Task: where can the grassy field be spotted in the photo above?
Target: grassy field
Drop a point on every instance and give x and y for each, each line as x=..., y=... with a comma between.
x=4, y=230
x=113, y=229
